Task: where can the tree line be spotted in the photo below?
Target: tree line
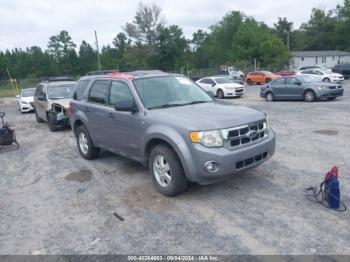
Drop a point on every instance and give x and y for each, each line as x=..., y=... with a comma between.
x=148, y=43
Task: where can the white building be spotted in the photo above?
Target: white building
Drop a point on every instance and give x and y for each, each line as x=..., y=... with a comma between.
x=327, y=58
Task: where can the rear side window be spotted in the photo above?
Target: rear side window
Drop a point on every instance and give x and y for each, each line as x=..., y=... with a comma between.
x=279, y=81
x=80, y=89
x=119, y=92
x=99, y=92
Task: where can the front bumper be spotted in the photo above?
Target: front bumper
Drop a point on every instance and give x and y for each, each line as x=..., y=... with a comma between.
x=25, y=107
x=330, y=93
x=234, y=92
x=230, y=161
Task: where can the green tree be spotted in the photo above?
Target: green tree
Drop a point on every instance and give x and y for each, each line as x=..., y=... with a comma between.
x=87, y=58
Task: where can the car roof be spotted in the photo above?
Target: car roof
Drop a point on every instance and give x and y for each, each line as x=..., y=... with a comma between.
x=132, y=75
x=31, y=88
x=57, y=83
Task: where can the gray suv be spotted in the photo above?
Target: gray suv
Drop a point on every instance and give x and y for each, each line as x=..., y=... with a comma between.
x=171, y=125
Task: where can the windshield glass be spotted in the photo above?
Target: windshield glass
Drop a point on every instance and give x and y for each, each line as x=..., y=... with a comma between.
x=309, y=78
x=169, y=91
x=27, y=93
x=223, y=80
x=61, y=91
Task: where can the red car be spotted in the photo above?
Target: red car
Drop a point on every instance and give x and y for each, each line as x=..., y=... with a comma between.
x=285, y=73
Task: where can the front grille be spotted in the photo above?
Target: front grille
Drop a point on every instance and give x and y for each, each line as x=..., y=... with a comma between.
x=245, y=135
x=249, y=161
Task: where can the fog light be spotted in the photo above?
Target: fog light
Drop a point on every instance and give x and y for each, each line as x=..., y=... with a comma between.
x=211, y=166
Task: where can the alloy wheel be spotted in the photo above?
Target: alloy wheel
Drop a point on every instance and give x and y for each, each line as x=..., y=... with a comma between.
x=161, y=170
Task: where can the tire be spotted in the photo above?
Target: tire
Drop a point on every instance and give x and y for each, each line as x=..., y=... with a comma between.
x=269, y=97
x=90, y=151
x=267, y=80
x=309, y=96
x=249, y=82
x=220, y=94
x=327, y=80
x=163, y=158
x=37, y=118
x=50, y=121
x=241, y=78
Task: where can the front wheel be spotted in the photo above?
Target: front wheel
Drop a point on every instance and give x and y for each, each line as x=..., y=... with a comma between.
x=220, y=94
x=249, y=82
x=309, y=96
x=166, y=171
x=37, y=118
x=327, y=80
x=86, y=148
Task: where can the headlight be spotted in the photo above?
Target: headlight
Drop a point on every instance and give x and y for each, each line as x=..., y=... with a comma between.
x=207, y=138
x=322, y=88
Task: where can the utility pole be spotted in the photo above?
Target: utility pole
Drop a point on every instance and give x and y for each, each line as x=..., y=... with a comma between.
x=11, y=81
x=98, y=52
x=288, y=40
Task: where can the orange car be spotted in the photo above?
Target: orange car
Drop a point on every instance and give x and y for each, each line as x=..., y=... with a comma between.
x=260, y=77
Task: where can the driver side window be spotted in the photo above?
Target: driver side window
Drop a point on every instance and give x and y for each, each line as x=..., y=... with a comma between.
x=119, y=92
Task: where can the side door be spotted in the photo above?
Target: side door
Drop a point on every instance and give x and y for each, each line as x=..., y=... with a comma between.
x=212, y=86
x=123, y=129
x=278, y=88
x=293, y=88
x=95, y=110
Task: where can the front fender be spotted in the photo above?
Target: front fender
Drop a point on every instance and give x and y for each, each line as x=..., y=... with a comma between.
x=173, y=138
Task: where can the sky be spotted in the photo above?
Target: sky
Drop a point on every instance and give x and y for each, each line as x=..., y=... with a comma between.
x=25, y=23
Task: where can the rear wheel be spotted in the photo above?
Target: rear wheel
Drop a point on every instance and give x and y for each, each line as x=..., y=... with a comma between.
x=220, y=94
x=166, y=171
x=85, y=145
x=309, y=96
x=267, y=80
x=249, y=82
x=269, y=97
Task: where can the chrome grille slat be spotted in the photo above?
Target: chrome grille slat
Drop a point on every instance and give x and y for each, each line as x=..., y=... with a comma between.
x=244, y=135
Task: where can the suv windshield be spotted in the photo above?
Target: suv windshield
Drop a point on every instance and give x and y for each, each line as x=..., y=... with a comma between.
x=27, y=93
x=223, y=80
x=61, y=91
x=169, y=91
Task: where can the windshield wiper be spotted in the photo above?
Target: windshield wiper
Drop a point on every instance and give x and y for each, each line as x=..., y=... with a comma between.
x=197, y=102
x=165, y=106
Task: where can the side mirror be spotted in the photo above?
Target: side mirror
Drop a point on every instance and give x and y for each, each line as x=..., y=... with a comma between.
x=17, y=96
x=213, y=85
x=211, y=94
x=298, y=83
x=126, y=106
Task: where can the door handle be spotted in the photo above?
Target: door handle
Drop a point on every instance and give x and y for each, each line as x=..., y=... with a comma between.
x=111, y=115
x=87, y=109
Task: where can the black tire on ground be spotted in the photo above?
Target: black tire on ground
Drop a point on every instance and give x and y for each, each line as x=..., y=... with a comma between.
x=269, y=97
x=309, y=96
x=267, y=80
x=50, y=121
x=92, y=152
x=249, y=82
x=220, y=94
x=37, y=118
x=178, y=182
x=331, y=98
x=327, y=80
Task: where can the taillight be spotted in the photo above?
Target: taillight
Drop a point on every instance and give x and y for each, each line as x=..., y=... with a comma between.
x=70, y=109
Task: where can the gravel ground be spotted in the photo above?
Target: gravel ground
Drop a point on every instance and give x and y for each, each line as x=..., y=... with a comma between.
x=55, y=202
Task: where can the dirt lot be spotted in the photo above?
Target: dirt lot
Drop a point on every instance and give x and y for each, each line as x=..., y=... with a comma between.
x=54, y=202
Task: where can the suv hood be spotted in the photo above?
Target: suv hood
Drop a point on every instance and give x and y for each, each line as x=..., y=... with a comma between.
x=62, y=102
x=208, y=116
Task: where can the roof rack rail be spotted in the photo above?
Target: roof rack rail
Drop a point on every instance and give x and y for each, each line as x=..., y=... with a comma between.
x=57, y=78
x=104, y=72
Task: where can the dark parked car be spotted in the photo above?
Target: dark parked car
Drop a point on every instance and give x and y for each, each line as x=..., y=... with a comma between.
x=171, y=125
x=300, y=87
x=343, y=69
